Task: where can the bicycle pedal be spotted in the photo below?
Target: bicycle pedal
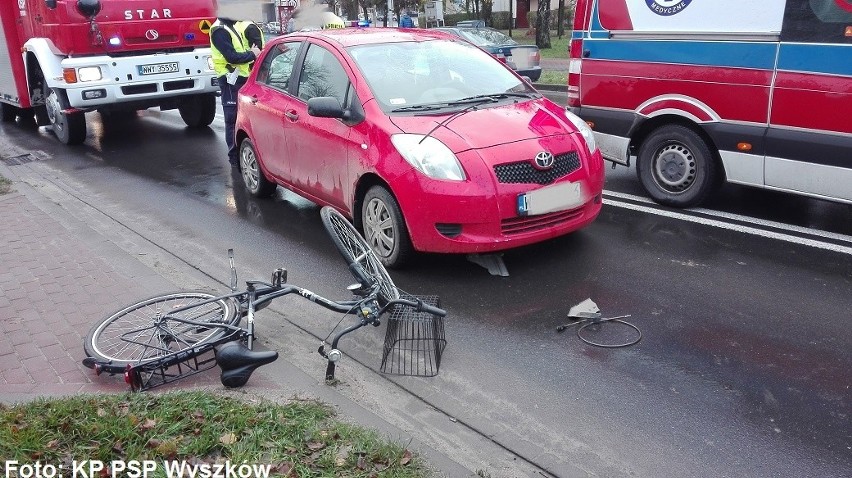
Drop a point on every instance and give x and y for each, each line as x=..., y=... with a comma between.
x=279, y=277
x=90, y=362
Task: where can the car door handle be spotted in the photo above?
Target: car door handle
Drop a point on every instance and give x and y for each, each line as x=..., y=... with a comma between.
x=291, y=115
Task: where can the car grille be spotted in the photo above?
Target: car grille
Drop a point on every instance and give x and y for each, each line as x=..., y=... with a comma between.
x=525, y=172
x=525, y=224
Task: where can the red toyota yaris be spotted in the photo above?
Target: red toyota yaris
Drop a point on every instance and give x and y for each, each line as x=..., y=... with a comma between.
x=427, y=142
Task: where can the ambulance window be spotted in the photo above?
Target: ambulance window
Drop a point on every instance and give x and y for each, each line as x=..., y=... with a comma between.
x=818, y=21
x=277, y=67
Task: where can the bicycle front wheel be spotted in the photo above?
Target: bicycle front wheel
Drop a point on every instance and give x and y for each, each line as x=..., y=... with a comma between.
x=355, y=249
x=148, y=330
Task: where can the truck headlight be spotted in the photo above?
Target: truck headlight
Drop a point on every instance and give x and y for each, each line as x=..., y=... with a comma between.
x=89, y=73
x=430, y=156
x=585, y=130
x=209, y=62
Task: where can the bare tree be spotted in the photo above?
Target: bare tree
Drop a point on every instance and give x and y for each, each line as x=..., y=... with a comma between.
x=487, y=7
x=560, y=19
x=542, y=25
x=350, y=8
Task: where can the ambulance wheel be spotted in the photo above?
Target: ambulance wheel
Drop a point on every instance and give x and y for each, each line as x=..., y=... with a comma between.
x=198, y=111
x=9, y=112
x=677, y=167
x=69, y=128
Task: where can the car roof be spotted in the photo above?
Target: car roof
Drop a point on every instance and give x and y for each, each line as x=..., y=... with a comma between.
x=353, y=36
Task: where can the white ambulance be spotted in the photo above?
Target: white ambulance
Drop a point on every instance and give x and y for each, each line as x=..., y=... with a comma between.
x=697, y=92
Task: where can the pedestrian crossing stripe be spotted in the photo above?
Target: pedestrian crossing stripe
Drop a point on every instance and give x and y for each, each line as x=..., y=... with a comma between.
x=204, y=26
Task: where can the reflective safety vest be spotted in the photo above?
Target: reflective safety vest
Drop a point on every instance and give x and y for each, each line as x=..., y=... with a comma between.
x=330, y=20
x=240, y=43
x=242, y=26
x=322, y=21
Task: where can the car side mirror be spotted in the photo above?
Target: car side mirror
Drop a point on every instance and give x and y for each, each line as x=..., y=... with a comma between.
x=326, y=107
x=329, y=107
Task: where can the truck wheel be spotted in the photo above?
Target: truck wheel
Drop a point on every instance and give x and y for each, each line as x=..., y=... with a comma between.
x=69, y=128
x=676, y=167
x=198, y=111
x=9, y=112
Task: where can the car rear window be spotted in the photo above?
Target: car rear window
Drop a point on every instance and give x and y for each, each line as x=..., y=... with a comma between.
x=486, y=37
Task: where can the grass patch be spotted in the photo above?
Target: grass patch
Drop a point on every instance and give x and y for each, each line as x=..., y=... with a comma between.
x=558, y=46
x=5, y=185
x=296, y=439
x=554, y=78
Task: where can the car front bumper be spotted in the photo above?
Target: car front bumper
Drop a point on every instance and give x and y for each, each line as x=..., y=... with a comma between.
x=479, y=216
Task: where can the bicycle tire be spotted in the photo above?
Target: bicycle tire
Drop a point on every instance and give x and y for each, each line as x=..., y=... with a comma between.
x=355, y=249
x=157, y=337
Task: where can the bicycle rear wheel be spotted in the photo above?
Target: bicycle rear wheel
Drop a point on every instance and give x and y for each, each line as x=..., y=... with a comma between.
x=146, y=330
x=355, y=249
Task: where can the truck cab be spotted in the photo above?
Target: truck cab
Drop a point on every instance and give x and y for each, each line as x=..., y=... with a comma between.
x=69, y=57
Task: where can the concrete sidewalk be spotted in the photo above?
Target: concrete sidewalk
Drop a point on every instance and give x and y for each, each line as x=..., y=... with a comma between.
x=53, y=287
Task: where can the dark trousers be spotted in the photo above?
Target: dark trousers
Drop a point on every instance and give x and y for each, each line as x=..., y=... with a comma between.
x=229, y=109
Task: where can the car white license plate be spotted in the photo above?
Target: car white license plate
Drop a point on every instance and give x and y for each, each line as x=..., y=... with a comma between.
x=557, y=197
x=157, y=68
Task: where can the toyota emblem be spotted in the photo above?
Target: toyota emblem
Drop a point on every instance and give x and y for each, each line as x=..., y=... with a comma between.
x=544, y=160
x=152, y=35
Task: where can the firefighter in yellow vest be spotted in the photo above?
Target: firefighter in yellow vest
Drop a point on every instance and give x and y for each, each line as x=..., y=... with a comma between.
x=235, y=46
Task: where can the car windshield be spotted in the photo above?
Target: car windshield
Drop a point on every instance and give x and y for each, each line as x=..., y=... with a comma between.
x=433, y=75
x=486, y=37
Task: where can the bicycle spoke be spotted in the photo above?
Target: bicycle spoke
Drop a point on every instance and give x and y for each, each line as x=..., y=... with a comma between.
x=355, y=249
x=150, y=329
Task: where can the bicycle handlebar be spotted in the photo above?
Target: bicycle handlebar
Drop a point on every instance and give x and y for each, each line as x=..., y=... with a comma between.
x=418, y=305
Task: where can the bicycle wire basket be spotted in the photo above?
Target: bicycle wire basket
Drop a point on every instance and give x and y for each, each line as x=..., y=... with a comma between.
x=414, y=341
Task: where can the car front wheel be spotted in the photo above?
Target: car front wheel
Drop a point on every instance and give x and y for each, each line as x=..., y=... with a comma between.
x=255, y=181
x=384, y=228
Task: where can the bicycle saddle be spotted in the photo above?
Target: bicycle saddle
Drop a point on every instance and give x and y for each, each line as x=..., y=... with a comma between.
x=238, y=362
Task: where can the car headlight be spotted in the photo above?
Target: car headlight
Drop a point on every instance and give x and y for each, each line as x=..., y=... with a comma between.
x=209, y=62
x=585, y=130
x=430, y=156
x=89, y=73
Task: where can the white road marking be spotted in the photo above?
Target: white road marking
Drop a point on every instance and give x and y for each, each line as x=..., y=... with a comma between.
x=652, y=208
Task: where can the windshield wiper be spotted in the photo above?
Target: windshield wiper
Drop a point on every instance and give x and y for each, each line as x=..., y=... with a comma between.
x=425, y=107
x=498, y=96
x=473, y=100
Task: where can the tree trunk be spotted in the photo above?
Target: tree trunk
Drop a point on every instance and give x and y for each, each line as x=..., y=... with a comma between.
x=542, y=25
x=560, y=19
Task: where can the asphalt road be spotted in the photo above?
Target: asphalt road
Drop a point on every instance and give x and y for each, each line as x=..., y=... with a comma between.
x=745, y=362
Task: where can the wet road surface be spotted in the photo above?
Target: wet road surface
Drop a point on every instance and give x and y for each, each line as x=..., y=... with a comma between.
x=744, y=367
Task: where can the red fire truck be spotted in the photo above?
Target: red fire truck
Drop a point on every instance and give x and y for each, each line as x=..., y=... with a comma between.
x=62, y=58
